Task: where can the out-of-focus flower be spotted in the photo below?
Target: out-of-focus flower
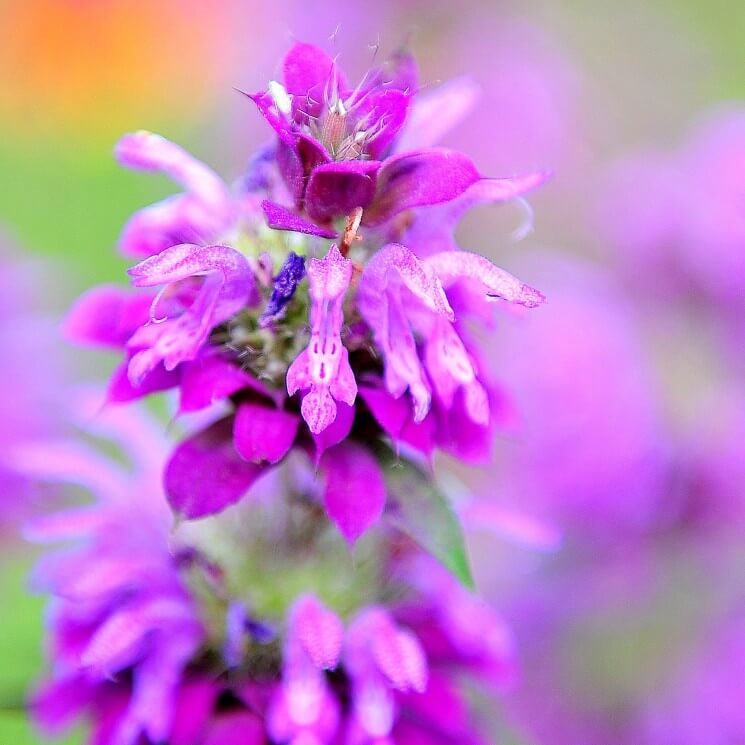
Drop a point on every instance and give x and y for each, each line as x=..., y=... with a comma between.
x=32, y=390
x=530, y=95
x=588, y=439
x=121, y=608
x=677, y=216
x=141, y=618
x=704, y=496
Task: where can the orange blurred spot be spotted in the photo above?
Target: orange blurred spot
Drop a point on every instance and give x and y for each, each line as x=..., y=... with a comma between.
x=100, y=66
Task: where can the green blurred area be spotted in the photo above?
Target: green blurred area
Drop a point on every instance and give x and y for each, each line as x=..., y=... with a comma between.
x=20, y=650
x=70, y=204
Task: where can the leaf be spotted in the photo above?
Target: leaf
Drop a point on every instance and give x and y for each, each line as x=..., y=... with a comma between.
x=418, y=508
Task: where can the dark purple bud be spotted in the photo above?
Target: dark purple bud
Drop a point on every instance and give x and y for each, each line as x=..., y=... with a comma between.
x=285, y=283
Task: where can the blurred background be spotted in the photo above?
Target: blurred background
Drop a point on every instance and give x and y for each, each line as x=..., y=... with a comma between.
x=615, y=546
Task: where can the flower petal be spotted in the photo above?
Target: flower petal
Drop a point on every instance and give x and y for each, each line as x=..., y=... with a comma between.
x=400, y=657
x=211, y=378
x=324, y=365
x=318, y=630
x=337, y=431
x=433, y=230
x=263, y=433
x=121, y=389
x=337, y=188
x=307, y=72
x=201, y=214
x=437, y=112
x=397, y=261
x=228, y=286
x=498, y=284
x=281, y=218
x=354, y=495
x=420, y=178
x=395, y=416
x=205, y=473
x=107, y=316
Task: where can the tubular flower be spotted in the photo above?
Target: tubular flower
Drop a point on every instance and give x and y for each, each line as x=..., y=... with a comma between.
x=384, y=310
x=324, y=365
x=147, y=617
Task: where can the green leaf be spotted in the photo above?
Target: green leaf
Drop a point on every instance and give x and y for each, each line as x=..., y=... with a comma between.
x=418, y=508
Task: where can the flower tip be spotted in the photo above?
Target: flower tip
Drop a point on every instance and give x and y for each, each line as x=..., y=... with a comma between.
x=132, y=148
x=530, y=297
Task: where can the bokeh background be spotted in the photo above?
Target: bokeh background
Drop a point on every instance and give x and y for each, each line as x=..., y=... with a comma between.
x=629, y=419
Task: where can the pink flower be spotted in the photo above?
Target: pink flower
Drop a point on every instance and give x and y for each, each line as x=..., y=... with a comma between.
x=323, y=367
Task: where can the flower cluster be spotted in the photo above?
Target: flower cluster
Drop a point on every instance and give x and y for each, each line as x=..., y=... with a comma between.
x=158, y=640
x=320, y=318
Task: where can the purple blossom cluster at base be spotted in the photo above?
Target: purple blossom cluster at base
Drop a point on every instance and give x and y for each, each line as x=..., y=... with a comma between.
x=133, y=652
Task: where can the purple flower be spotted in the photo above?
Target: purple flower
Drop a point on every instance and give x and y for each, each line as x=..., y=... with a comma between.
x=675, y=219
x=337, y=146
x=207, y=286
x=323, y=367
x=121, y=608
x=130, y=651
x=590, y=436
x=304, y=705
x=31, y=394
x=203, y=214
x=221, y=328
x=399, y=292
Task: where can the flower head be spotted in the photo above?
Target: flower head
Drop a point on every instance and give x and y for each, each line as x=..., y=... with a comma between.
x=387, y=307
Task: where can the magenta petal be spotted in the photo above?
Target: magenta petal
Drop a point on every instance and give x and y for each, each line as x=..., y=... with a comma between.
x=206, y=474
x=418, y=179
x=209, y=379
x=121, y=389
x=459, y=435
x=337, y=188
x=337, y=431
x=281, y=218
x=433, y=232
x=324, y=365
x=497, y=284
x=266, y=106
x=228, y=285
x=307, y=72
x=194, y=707
x=263, y=433
x=59, y=702
x=400, y=657
x=386, y=111
x=355, y=493
x=395, y=416
x=237, y=728
x=107, y=315
x=291, y=168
